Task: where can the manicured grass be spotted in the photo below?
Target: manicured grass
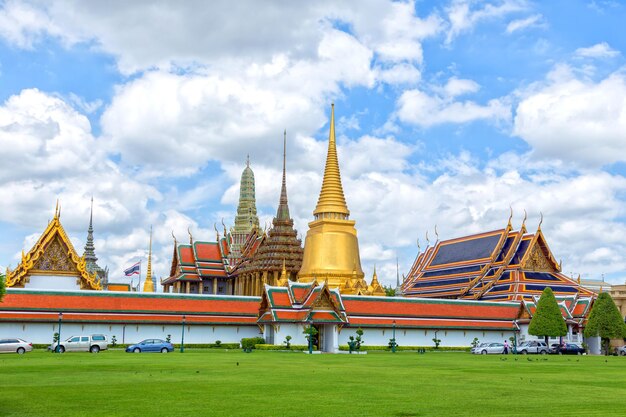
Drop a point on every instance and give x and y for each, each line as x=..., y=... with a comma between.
x=233, y=383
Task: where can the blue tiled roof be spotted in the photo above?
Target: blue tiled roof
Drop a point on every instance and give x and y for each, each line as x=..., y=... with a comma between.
x=466, y=250
x=505, y=248
x=541, y=276
x=451, y=271
x=521, y=250
x=422, y=284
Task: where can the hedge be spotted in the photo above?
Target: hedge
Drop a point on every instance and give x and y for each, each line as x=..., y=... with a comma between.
x=411, y=348
x=263, y=346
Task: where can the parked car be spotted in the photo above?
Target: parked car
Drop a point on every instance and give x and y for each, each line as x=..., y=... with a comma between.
x=621, y=350
x=90, y=343
x=533, y=346
x=488, y=348
x=476, y=349
x=151, y=345
x=569, y=349
x=18, y=346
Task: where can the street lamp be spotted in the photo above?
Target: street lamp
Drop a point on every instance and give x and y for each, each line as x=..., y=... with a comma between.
x=182, y=338
x=393, y=338
x=59, y=338
x=310, y=337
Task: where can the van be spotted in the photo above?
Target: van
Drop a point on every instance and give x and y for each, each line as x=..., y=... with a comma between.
x=90, y=343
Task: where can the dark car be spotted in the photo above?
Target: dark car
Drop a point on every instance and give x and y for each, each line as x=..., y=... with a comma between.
x=151, y=345
x=569, y=349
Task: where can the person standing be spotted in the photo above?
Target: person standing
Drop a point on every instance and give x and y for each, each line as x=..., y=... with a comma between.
x=506, y=347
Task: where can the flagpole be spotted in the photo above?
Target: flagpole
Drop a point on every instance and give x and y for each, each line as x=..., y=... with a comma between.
x=139, y=286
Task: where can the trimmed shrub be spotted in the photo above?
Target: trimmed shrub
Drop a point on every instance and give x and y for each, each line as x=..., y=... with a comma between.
x=250, y=342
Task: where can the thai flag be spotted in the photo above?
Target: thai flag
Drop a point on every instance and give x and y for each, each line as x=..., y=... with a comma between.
x=133, y=270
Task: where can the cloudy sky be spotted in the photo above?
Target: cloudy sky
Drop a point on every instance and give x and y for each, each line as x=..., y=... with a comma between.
x=447, y=114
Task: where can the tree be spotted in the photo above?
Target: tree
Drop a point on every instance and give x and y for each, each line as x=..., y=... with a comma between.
x=2, y=285
x=547, y=320
x=389, y=291
x=605, y=321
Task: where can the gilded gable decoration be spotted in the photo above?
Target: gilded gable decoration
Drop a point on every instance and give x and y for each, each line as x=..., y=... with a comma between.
x=53, y=254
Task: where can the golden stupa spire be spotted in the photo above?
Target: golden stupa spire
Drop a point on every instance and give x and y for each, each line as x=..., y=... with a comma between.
x=148, y=285
x=283, y=280
x=331, y=198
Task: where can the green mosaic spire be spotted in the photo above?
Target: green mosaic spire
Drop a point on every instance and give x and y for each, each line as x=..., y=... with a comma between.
x=246, y=217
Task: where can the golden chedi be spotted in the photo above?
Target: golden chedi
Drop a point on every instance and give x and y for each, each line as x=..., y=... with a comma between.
x=331, y=247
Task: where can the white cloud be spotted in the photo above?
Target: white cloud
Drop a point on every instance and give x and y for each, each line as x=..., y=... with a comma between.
x=520, y=24
x=22, y=25
x=599, y=50
x=575, y=119
x=464, y=15
x=458, y=87
x=175, y=124
x=417, y=107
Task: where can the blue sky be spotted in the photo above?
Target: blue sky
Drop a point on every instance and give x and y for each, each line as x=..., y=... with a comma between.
x=447, y=114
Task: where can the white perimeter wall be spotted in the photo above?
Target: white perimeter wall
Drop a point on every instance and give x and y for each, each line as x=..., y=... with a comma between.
x=129, y=333
x=421, y=337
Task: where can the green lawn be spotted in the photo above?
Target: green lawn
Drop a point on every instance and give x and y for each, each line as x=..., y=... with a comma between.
x=222, y=383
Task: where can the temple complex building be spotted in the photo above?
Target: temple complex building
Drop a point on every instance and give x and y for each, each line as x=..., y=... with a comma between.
x=273, y=258
x=246, y=219
x=53, y=263
x=200, y=268
x=500, y=265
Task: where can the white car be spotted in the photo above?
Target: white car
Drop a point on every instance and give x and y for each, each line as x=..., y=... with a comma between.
x=533, y=346
x=91, y=343
x=488, y=348
x=18, y=346
x=621, y=350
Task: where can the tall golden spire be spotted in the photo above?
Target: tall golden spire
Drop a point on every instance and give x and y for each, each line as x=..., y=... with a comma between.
x=331, y=198
x=148, y=285
x=331, y=248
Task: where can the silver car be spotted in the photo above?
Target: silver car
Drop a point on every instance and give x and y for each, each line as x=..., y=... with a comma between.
x=18, y=346
x=621, y=350
x=91, y=343
x=489, y=348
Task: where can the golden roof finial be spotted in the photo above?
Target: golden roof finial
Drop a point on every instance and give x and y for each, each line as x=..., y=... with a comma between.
x=419, y=249
x=374, y=277
x=524, y=221
x=174, y=237
x=331, y=199
x=540, y=221
x=436, y=234
x=510, y=216
x=224, y=226
x=217, y=233
x=56, y=210
x=427, y=240
x=190, y=236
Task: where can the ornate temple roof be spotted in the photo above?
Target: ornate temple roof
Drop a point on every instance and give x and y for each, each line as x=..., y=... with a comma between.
x=198, y=260
x=503, y=264
x=301, y=302
x=53, y=254
x=281, y=244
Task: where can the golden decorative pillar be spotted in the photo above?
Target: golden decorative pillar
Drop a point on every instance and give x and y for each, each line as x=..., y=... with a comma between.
x=214, y=285
x=331, y=248
x=148, y=285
